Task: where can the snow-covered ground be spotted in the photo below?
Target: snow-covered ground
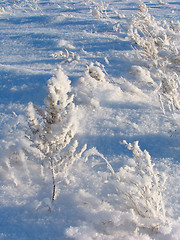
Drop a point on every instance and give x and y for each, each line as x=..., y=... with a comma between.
x=120, y=94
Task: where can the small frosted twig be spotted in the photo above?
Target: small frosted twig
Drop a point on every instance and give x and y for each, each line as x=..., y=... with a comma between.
x=94, y=152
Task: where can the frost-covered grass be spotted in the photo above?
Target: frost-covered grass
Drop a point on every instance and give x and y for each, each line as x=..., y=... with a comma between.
x=118, y=82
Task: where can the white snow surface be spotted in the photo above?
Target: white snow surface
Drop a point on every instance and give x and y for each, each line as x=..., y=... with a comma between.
x=117, y=98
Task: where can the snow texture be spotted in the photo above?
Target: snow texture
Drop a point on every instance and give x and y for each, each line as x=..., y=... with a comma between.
x=89, y=102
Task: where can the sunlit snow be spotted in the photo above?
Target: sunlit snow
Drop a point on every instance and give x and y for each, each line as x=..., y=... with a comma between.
x=90, y=104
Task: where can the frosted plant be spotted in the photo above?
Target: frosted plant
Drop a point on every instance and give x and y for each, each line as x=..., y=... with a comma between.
x=54, y=127
x=65, y=56
x=159, y=44
x=156, y=41
x=141, y=32
x=169, y=91
x=14, y=150
x=140, y=188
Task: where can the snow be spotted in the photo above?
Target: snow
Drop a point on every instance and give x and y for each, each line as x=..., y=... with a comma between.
x=118, y=96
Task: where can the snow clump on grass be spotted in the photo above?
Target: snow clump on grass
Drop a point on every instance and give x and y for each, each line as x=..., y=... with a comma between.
x=93, y=79
x=96, y=72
